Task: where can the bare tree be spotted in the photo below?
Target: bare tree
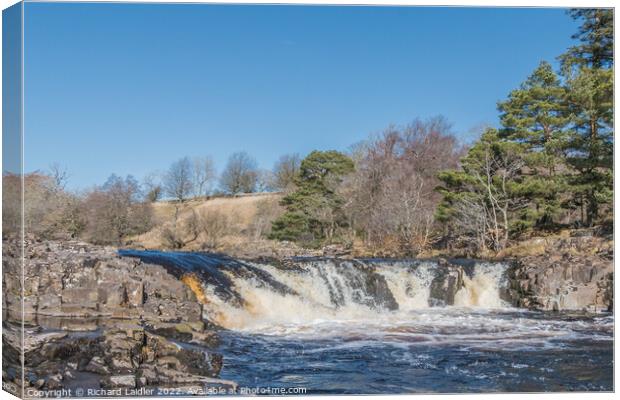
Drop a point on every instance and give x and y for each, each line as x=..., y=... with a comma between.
x=204, y=174
x=214, y=226
x=265, y=181
x=267, y=211
x=240, y=174
x=152, y=186
x=171, y=238
x=391, y=197
x=32, y=199
x=178, y=182
x=114, y=211
x=488, y=207
x=60, y=175
x=285, y=170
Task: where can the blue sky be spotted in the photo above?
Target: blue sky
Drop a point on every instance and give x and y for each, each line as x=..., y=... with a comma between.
x=112, y=88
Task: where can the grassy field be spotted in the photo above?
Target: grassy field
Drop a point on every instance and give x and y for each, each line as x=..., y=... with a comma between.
x=247, y=221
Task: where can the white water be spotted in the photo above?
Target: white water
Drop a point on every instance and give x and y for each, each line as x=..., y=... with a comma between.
x=369, y=327
x=334, y=292
x=482, y=290
x=411, y=288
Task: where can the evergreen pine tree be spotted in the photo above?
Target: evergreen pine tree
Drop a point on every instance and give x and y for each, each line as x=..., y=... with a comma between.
x=535, y=116
x=588, y=71
x=314, y=211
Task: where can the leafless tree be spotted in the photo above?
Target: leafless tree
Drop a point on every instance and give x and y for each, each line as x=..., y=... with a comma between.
x=152, y=186
x=204, y=175
x=265, y=181
x=471, y=223
x=240, y=174
x=48, y=210
x=391, y=197
x=285, y=171
x=60, y=175
x=171, y=238
x=178, y=183
x=267, y=211
x=114, y=211
x=214, y=225
x=488, y=208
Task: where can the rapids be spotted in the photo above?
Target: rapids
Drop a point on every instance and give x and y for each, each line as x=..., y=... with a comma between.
x=389, y=326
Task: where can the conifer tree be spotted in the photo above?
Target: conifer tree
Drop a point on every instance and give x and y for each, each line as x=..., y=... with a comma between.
x=535, y=116
x=314, y=211
x=588, y=72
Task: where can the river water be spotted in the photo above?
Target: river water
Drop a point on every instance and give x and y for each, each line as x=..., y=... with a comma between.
x=328, y=326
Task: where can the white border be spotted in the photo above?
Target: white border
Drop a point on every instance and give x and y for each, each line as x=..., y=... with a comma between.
x=479, y=3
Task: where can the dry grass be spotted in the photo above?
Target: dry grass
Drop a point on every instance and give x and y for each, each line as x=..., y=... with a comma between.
x=240, y=213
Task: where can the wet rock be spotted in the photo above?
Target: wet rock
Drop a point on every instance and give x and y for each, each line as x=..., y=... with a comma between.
x=74, y=279
x=446, y=283
x=123, y=381
x=112, y=320
x=574, y=274
x=54, y=382
x=97, y=366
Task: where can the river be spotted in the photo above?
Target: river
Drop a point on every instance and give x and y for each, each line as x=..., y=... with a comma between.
x=327, y=326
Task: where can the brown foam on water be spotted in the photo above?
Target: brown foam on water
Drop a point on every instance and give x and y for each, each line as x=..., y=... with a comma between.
x=193, y=282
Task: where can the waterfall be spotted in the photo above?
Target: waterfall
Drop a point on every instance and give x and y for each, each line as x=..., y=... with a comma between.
x=484, y=287
x=249, y=295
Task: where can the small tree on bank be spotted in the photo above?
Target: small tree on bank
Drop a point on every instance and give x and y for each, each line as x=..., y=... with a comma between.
x=314, y=212
x=115, y=211
x=285, y=171
x=178, y=183
x=240, y=174
x=203, y=175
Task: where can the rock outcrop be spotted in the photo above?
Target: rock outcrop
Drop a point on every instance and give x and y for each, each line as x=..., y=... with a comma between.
x=574, y=273
x=446, y=284
x=95, y=317
x=75, y=279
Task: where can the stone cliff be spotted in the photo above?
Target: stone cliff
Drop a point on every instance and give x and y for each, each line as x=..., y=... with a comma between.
x=94, y=317
x=573, y=273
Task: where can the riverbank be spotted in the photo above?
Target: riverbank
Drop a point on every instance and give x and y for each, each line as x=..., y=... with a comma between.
x=95, y=320
x=565, y=273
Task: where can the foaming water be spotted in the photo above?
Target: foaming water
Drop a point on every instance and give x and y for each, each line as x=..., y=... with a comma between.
x=390, y=326
x=411, y=287
x=483, y=288
x=433, y=350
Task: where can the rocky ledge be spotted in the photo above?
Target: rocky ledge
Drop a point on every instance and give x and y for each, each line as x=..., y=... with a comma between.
x=96, y=320
x=573, y=273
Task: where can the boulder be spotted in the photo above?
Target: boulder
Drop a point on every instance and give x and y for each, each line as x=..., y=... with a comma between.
x=446, y=283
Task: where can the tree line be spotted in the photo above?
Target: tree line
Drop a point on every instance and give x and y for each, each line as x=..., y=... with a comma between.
x=196, y=177
x=550, y=163
x=547, y=166
x=121, y=207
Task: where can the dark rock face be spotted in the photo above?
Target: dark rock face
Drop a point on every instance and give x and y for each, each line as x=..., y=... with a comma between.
x=574, y=274
x=213, y=269
x=95, y=317
x=121, y=354
x=78, y=280
x=445, y=285
x=370, y=288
